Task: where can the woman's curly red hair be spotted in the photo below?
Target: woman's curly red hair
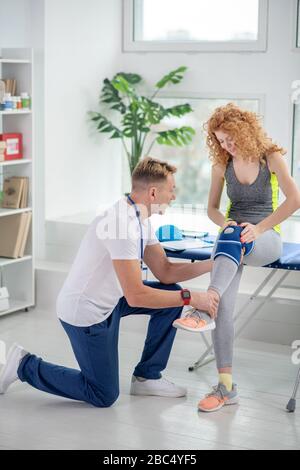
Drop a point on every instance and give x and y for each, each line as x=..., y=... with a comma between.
x=244, y=128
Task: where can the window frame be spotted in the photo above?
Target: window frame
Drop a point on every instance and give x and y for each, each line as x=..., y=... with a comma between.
x=130, y=45
x=296, y=26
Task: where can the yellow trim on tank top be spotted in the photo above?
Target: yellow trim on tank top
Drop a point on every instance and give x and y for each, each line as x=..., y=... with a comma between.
x=275, y=190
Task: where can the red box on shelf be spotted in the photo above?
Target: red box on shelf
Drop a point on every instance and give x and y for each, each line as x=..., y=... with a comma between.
x=14, y=146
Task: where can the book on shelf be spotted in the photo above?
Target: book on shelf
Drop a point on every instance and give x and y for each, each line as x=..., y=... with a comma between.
x=14, y=231
x=2, y=151
x=15, y=192
x=10, y=86
x=25, y=190
x=24, y=197
x=25, y=234
x=19, y=237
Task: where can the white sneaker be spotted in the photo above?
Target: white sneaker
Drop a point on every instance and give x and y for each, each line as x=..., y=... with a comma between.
x=9, y=371
x=159, y=387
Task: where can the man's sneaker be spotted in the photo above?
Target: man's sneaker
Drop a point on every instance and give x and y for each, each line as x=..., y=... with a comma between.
x=9, y=373
x=195, y=321
x=159, y=387
x=219, y=397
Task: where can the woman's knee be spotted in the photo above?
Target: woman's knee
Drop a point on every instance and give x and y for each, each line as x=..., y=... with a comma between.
x=268, y=249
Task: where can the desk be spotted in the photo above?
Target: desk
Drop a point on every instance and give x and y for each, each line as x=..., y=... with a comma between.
x=289, y=261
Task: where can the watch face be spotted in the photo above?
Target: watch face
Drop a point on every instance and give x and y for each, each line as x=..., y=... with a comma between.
x=186, y=294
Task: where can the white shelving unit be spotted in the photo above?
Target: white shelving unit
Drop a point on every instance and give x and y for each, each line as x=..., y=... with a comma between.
x=18, y=274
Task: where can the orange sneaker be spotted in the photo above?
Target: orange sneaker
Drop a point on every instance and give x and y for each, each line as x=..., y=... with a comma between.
x=195, y=321
x=218, y=398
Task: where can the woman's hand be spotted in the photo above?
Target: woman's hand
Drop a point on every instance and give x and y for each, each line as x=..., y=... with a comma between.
x=228, y=223
x=250, y=233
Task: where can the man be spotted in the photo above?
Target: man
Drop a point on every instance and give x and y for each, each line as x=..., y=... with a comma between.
x=105, y=284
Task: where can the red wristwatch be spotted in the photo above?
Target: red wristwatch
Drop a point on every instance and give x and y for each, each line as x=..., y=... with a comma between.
x=186, y=296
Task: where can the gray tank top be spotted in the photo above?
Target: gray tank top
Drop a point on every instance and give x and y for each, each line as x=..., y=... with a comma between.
x=254, y=202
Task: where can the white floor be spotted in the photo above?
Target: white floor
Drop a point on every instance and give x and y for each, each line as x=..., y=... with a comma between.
x=30, y=419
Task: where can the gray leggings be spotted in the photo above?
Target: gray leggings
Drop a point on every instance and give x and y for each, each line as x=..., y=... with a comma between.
x=225, y=279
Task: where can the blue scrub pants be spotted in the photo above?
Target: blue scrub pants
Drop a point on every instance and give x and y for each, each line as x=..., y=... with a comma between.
x=96, y=350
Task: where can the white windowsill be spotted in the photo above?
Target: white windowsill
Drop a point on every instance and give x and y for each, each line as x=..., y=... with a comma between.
x=187, y=221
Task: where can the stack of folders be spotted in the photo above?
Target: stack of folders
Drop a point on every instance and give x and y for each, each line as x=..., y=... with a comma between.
x=2, y=149
x=14, y=231
x=10, y=86
x=15, y=192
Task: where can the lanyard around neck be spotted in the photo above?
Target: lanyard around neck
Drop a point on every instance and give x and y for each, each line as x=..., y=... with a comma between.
x=138, y=216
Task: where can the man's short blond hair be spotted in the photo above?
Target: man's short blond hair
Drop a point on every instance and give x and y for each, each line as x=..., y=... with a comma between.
x=150, y=171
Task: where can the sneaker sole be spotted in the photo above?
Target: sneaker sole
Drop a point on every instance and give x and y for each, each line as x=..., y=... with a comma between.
x=163, y=395
x=233, y=401
x=209, y=327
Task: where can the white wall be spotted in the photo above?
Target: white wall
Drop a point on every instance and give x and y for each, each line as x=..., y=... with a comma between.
x=83, y=43
x=15, y=30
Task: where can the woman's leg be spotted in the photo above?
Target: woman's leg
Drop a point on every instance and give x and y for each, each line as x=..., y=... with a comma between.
x=267, y=249
x=223, y=335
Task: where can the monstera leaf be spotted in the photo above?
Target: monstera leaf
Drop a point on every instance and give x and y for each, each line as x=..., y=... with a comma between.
x=111, y=96
x=153, y=112
x=176, y=137
x=133, y=122
x=179, y=110
x=173, y=77
x=104, y=125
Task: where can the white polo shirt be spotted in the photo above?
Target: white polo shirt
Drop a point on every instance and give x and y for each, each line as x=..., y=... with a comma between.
x=92, y=289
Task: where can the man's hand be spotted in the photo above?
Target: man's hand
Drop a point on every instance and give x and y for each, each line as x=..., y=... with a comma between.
x=206, y=301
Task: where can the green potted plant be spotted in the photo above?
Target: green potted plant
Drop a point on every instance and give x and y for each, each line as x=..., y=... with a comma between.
x=139, y=115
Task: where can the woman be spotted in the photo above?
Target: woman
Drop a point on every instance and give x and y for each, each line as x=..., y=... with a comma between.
x=253, y=168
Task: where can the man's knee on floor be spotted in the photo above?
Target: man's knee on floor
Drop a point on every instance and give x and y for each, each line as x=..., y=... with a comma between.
x=104, y=399
x=229, y=244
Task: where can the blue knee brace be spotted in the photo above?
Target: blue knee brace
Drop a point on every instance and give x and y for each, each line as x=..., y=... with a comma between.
x=230, y=245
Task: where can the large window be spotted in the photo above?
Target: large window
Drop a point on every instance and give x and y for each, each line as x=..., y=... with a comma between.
x=199, y=25
x=194, y=167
